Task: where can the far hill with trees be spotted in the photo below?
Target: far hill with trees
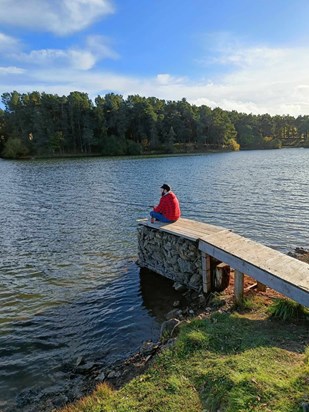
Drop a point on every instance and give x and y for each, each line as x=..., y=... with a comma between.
x=40, y=124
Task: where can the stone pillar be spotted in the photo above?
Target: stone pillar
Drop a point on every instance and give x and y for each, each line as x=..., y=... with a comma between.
x=171, y=256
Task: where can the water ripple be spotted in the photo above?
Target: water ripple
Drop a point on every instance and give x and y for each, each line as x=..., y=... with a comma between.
x=68, y=284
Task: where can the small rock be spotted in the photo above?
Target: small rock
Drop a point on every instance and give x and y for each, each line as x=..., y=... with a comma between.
x=300, y=251
x=175, y=313
x=179, y=287
x=51, y=390
x=195, y=280
x=147, y=358
x=202, y=299
x=168, y=327
x=100, y=377
x=79, y=361
x=60, y=400
x=85, y=368
x=168, y=344
x=176, y=303
x=114, y=374
x=147, y=348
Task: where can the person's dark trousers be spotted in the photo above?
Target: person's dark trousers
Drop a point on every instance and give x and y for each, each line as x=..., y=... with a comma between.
x=160, y=217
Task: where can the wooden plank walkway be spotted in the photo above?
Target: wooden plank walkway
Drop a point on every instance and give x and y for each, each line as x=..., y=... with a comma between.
x=280, y=272
x=186, y=228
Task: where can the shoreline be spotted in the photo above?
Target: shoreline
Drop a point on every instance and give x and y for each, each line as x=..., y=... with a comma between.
x=120, y=372
x=125, y=156
x=300, y=254
x=147, y=154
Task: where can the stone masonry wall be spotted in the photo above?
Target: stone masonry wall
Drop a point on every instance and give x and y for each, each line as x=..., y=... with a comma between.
x=171, y=256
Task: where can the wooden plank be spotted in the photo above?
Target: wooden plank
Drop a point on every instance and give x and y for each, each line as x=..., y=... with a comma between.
x=261, y=256
x=185, y=228
x=183, y=232
x=236, y=244
x=205, y=226
x=198, y=231
x=302, y=277
x=195, y=228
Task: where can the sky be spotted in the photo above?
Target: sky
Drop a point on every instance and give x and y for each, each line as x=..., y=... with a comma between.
x=246, y=55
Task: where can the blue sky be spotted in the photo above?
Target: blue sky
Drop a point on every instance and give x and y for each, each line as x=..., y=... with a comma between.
x=246, y=55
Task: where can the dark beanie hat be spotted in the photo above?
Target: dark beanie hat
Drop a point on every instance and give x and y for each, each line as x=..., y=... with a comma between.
x=166, y=187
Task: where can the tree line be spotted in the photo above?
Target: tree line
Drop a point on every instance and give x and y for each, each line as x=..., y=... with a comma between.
x=41, y=124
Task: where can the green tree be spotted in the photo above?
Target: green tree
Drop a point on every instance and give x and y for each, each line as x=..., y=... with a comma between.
x=221, y=130
x=170, y=140
x=203, y=123
x=3, y=129
x=14, y=148
x=78, y=106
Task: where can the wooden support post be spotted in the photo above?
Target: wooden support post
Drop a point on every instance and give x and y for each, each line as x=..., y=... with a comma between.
x=206, y=272
x=238, y=286
x=222, y=277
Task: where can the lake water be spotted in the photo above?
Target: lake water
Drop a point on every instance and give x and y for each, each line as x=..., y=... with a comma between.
x=69, y=286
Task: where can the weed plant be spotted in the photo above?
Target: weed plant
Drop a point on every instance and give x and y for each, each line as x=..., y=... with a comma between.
x=287, y=309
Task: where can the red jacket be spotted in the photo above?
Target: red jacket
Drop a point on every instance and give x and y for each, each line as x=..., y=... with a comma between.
x=169, y=206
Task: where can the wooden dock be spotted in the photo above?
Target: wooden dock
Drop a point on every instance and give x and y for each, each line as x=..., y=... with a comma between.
x=267, y=266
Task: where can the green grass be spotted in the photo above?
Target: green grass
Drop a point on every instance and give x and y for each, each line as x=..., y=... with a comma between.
x=229, y=362
x=287, y=309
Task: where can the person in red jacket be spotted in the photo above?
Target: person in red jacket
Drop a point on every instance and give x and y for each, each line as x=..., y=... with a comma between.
x=168, y=209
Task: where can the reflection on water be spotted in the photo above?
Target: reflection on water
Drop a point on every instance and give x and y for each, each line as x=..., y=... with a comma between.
x=68, y=284
x=158, y=294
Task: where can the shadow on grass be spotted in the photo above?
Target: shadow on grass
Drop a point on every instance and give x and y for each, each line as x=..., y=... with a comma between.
x=241, y=364
x=232, y=333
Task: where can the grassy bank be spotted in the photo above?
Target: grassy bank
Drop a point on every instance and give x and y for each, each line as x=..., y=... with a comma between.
x=225, y=361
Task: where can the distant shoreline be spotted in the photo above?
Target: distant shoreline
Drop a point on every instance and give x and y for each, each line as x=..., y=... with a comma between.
x=143, y=155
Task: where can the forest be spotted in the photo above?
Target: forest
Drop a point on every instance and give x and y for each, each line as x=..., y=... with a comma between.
x=47, y=125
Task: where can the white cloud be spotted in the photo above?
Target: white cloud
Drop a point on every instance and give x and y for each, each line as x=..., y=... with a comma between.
x=61, y=17
x=165, y=79
x=81, y=58
x=72, y=58
x=8, y=43
x=260, y=80
x=39, y=57
x=257, y=56
x=273, y=80
x=100, y=47
x=11, y=70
